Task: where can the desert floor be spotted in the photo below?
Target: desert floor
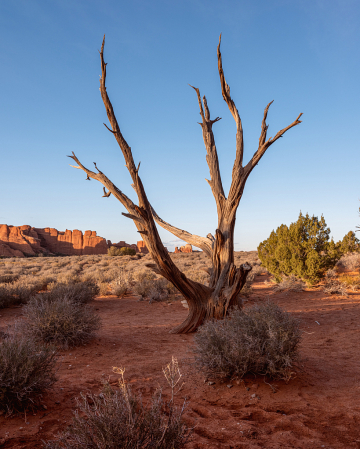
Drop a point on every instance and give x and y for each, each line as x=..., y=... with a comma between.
x=318, y=408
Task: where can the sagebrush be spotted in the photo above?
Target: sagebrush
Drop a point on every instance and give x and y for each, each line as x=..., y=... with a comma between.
x=27, y=370
x=261, y=340
x=61, y=322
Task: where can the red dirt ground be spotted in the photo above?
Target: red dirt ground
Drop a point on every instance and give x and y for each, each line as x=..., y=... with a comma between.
x=319, y=408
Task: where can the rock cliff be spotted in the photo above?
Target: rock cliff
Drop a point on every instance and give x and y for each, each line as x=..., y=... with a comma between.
x=20, y=241
x=184, y=249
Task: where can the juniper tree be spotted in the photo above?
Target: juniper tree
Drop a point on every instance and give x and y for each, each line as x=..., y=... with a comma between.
x=226, y=280
x=302, y=249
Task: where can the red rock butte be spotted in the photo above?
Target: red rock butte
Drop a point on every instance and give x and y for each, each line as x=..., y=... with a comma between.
x=21, y=241
x=184, y=249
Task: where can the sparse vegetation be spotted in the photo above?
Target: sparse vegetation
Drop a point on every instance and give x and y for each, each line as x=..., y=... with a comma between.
x=61, y=321
x=119, y=419
x=80, y=292
x=81, y=278
x=27, y=369
x=263, y=340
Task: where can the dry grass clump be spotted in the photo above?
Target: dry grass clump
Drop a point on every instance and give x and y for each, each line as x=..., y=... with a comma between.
x=119, y=419
x=59, y=321
x=351, y=261
x=26, y=371
x=263, y=340
x=290, y=283
x=332, y=285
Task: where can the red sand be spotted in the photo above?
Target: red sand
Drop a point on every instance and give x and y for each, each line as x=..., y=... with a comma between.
x=319, y=408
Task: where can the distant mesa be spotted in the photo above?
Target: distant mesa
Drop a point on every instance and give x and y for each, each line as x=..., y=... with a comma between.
x=21, y=241
x=184, y=249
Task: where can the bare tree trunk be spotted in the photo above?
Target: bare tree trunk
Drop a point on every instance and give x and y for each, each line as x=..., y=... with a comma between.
x=226, y=280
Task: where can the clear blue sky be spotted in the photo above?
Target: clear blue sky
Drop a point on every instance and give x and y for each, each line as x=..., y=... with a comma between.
x=304, y=55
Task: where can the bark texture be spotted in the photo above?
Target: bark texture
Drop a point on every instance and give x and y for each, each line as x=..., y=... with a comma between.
x=226, y=280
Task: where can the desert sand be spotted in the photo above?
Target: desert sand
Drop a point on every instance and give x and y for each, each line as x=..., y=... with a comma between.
x=318, y=408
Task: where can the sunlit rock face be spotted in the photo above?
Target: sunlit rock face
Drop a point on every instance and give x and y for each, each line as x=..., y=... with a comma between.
x=21, y=241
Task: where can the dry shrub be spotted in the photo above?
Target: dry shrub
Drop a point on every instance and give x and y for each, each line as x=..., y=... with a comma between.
x=122, y=284
x=352, y=282
x=259, y=269
x=290, y=283
x=263, y=340
x=350, y=261
x=332, y=285
x=119, y=419
x=26, y=370
x=104, y=289
x=18, y=292
x=160, y=290
x=197, y=274
x=8, y=278
x=142, y=288
x=61, y=322
x=81, y=292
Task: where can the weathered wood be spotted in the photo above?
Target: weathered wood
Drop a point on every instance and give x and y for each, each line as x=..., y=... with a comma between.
x=226, y=280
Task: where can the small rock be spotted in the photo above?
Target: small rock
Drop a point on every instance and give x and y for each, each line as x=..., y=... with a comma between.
x=247, y=389
x=253, y=396
x=21, y=428
x=44, y=407
x=229, y=386
x=57, y=402
x=211, y=383
x=255, y=386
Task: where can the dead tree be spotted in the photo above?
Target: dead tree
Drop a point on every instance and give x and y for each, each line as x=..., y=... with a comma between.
x=226, y=280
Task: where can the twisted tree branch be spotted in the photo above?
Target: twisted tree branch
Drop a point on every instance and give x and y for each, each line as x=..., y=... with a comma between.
x=204, y=243
x=211, y=157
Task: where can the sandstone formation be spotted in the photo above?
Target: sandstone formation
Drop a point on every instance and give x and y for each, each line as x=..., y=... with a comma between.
x=184, y=249
x=142, y=247
x=20, y=241
x=71, y=243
